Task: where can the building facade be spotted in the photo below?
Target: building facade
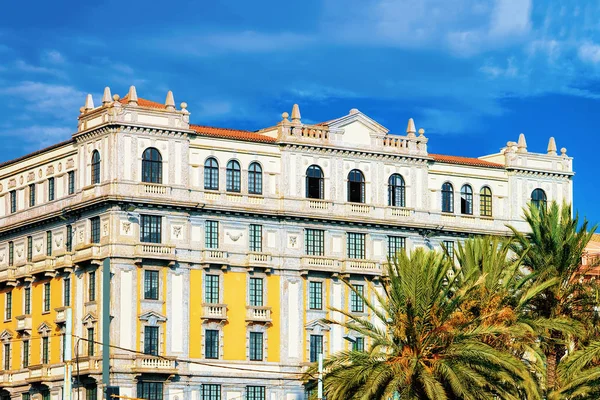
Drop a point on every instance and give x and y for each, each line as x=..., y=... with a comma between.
x=202, y=259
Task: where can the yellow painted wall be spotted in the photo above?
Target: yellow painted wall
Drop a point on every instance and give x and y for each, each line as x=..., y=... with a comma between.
x=274, y=331
x=235, y=298
x=196, y=293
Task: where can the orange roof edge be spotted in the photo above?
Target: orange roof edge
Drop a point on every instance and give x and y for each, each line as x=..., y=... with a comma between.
x=464, y=161
x=228, y=133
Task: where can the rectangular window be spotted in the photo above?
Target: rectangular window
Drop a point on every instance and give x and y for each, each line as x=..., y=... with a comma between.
x=449, y=245
x=211, y=343
x=11, y=253
x=315, y=295
x=95, y=229
x=32, y=195
x=8, y=306
x=316, y=347
x=27, y=295
x=69, y=241
x=92, y=286
x=150, y=390
x=150, y=285
x=256, y=346
x=212, y=235
x=45, y=350
x=13, y=201
x=211, y=289
x=151, y=229
x=255, y=238
x=357, y=304
x=45, y=395
x=7, y=356
x=395, y=244
x=151, y=340
x=49, y=243
x=50, y=189
x=67, y=292
x=71, y=182
x=356, y=245
x=256, y=292
x=25, y=353
x=359, y=344
x=47, y=297
x=29, y=248
x=91, y=393
x=90, y=341
x=255, y=393
x=211, y=392
x=315, y=242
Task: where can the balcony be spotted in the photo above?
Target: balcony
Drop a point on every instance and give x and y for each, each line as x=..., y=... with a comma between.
x=24, y=271
x=152, y=189
x=88, y=365
x=61, y=315
x=215, y=256
x=399, y=212
x=258, y=314
x=39, y=373
x=23, y=323
x=87, y=252
x=7, y=275
x=44, y=267
x=6, y=379
x=362, y=267
x=214, y=312
x=318, y=263
x=313, y=204
x=257, y=259
x=156, y=251
x=154, y=365
x=358, y=208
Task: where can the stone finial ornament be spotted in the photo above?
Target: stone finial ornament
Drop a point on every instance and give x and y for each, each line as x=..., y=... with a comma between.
x=551, y=147
x=421, y=132
x=563, y=151
x=170, y=101
x=296, y=114
x=107, y=97
x=522, y=144
x=132, y=97
x=410, y=128
x=89, y=102
x=284, y=117
x=354, y=111
x=116, y=97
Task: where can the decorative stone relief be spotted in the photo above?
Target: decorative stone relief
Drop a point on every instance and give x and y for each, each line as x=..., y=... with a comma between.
x=2, y=257
x=58, y=242
x=38, y=247
x=292, y=241
x=234, y=235
x=21, y=180
x=39, y=173
x=50, y=170
x=59, y=167
x=31, y=176
x=126, y=227
x=70, y=163
x=177, y=231
x=81, y=236
x=19, y=252
x=105, y=229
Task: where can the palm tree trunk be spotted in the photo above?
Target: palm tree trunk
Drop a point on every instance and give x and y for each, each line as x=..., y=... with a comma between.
x=551, y=369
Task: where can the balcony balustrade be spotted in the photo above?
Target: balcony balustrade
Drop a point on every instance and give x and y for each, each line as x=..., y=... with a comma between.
x=361, y=267
x=258, y=314
x=23, y=323
x=214, y=311
x=152, y=364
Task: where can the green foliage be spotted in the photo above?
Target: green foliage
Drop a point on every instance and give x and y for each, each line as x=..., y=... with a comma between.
x=511, y=319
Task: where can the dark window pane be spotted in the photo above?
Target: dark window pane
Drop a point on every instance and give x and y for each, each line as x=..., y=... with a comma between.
x=396, y=191
x=255, y=238
x=356, y=245
x=315, y=295
x=485, y=198
x=211, y=289
x=212, y=235
x=447, y=198
x=314, y=182
x=256, y=346
x=95, y=229
x=211, y=343
x=71, y=175
x=255, y=178
x=151, y=340
x=211, y=174
x=356, y=187
x=395, y=244
x=357, y=304
x=234, y=179
x=316, y=347
x=151, y=229
x=152, y=166
x=466, y=200
x=95, y=167
x=151, y=285
x=315, y=242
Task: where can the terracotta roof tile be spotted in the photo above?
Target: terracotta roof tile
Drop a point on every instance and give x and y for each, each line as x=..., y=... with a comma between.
x=476, y=162
x=145, y=103
x=231, y=134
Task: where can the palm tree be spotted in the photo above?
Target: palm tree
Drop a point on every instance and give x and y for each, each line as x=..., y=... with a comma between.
x=422, y=344
x=552, y=252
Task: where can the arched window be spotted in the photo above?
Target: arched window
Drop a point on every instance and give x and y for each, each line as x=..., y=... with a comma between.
x=538, y=198
x=211, y=174
x=447, y=198
x=356, y=186
x=255, y=178
x=485, y=202
x=233, y=176
x=151, y=166
x=396, y=191
x=466, y=200
x=95, y=167
x=314, y=182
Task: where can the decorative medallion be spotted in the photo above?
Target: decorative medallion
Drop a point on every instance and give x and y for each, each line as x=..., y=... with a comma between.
x=126, y=227
x=21, y=180
x=235, y=236
x=177, y=231
x=31, y=176
x=39, y=173
x=59, y=167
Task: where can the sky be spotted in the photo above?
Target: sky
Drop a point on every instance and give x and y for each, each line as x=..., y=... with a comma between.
x=474, y=74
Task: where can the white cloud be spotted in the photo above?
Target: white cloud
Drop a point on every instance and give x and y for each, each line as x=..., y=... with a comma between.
x=23, y=66
x=510, y=17
x=494, y=71
x=60, y=100
x=54, y=57
x=589, y=52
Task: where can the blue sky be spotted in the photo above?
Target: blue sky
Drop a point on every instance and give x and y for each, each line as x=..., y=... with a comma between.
x=473, y=74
